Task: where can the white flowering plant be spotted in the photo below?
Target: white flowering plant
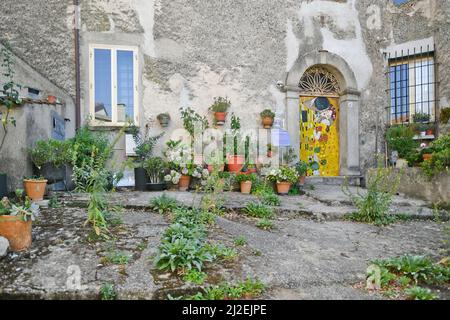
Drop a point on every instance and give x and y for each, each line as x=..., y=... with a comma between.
x=173, y=177
x=283, y=174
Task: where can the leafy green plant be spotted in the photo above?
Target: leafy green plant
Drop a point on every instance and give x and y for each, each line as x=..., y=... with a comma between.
x=222, y=252
x=220, y=105
x=373, y=205
x=116, y=257
x=108, y=292
x=10, y=97
x=400, y=138
x=265, y=224
x=192, y=120
x=155, y=168
x=283, y=174
x=50, y=151
x=419, y=293
x=244, y=289
x=164, y=204
x=267, y=113
x=235, y=128
x=195, y=276
x=240, y=241
x=53, y=203
x=270, y=199
x=302, y=168
x=258, y=210
x=421, y=117
x=245, y=177
x=445, y=115
x=440, y=159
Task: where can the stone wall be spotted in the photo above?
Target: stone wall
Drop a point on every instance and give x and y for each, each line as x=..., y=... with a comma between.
x=192, y=51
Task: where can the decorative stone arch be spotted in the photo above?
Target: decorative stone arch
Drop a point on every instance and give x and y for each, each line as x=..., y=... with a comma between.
x=349, y=100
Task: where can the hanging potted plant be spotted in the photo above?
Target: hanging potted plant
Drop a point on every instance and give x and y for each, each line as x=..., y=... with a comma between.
x=164, y=119
x=236, y=162
x=302, y=168
x=284, y=177
x=220, y=108
x=155, y=168
x=267, y=117
x=16, y=221
x=246, y=181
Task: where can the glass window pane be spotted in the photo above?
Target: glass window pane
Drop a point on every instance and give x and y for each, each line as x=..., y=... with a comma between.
x=125, y=85
x=102, y=79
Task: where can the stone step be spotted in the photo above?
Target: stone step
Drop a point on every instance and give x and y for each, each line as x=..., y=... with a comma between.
x=334, y=181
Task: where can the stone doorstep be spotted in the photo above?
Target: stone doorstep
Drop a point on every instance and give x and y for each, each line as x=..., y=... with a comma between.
x=333, y=181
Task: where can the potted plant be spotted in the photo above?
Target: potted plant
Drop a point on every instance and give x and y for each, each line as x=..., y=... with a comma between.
x=267, y=117
x=50, y=158
x=269, y=150
x=16, y=222
x=155, y=168
x=173, y=177
x=421, y=117
x=215, y=162
x=185, y=178
x=3, y=185
x=284, y=177
x=51, y=99
x=245, y=181
x=429, y=129
x=35, y=187
x=400, y=140
x=427, y=153
x=302, y=168
x=235, y=162
x=164, y=119
x=144, y=151
x=220, y=108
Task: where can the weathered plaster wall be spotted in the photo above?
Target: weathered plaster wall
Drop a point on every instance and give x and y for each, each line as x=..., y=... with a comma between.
x=192, y=51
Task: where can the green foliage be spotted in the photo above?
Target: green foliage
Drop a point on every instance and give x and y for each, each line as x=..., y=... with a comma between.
x=222, y=252
x=50, y=151
x=246, y=177
x=267, y=113
x=419, y=293
x=108, y=292
x=116, y=257
x=440, y=160
x=164, y=204
x=243, y=289
x=97, y=207
x=144, y=143
x=53, y=203
x=265, y=224
x=283, y=174
x=155, y=168
x=23, y=209
x=258, y=210
x=240, y=241
x=192, y=120
x=373, y=205
x=196, y=277
x=445, y=115
x=302, y=168
x=400, y=139
x=220, y=105
x=270, y=199
x=421, y=117
x=235, y=128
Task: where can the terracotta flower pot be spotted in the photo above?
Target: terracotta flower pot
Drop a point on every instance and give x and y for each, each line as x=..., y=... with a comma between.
x=283, y=187
x=184, y=183
x=235, y=163
x=246, y=187
x=269, y=154
x=267, y=122
x=427, y=156
x=51, y=99
x=35, y=189
x=17, y=232
x=301, y=180
x=429, y=132
x=220, y=168
x=220, y=117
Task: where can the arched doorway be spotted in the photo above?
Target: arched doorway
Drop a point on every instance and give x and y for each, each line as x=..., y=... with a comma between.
x=319, y=122
x=344, y=95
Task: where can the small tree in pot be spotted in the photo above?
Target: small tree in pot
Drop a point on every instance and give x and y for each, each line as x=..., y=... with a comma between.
x=302, y=168
x=155, y=168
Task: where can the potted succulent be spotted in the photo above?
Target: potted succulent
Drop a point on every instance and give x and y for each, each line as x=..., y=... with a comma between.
x=267, y=117
x=155, y=168
x=16, y=221
x=220, y=108
x=302, y=168
x=3, y=185
x=235, y=162
x=284, y=177
x=245, y=181
x=164, y=119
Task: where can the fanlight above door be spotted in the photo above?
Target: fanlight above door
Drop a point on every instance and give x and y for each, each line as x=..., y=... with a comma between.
x=318, y=81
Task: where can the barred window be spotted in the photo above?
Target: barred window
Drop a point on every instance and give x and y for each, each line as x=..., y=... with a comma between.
x=412, y=89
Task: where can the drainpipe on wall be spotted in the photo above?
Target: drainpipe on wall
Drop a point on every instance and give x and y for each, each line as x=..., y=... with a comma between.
x=76, y=4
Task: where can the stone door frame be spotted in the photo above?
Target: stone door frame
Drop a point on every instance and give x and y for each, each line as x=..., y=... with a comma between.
x=349, y=101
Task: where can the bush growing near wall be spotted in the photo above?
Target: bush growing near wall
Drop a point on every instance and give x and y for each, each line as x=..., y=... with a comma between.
x=440, y=160
x=400, y=139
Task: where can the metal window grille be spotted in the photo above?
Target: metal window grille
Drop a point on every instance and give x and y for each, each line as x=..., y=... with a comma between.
x=412, y=85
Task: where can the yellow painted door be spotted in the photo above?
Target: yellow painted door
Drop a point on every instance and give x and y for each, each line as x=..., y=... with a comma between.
x=319, y=135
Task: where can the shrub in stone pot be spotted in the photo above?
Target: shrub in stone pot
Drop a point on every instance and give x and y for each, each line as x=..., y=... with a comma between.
x=267, y=117
x=155, y=168
x=246, y=181
x=284, y=177
x=220, y=108
x=3, y=185
x=16, y=222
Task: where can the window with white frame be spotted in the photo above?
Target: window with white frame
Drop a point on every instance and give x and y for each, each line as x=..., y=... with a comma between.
x=113, y=84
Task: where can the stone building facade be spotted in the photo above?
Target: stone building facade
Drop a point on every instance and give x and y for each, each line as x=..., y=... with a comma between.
x=255, y=52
